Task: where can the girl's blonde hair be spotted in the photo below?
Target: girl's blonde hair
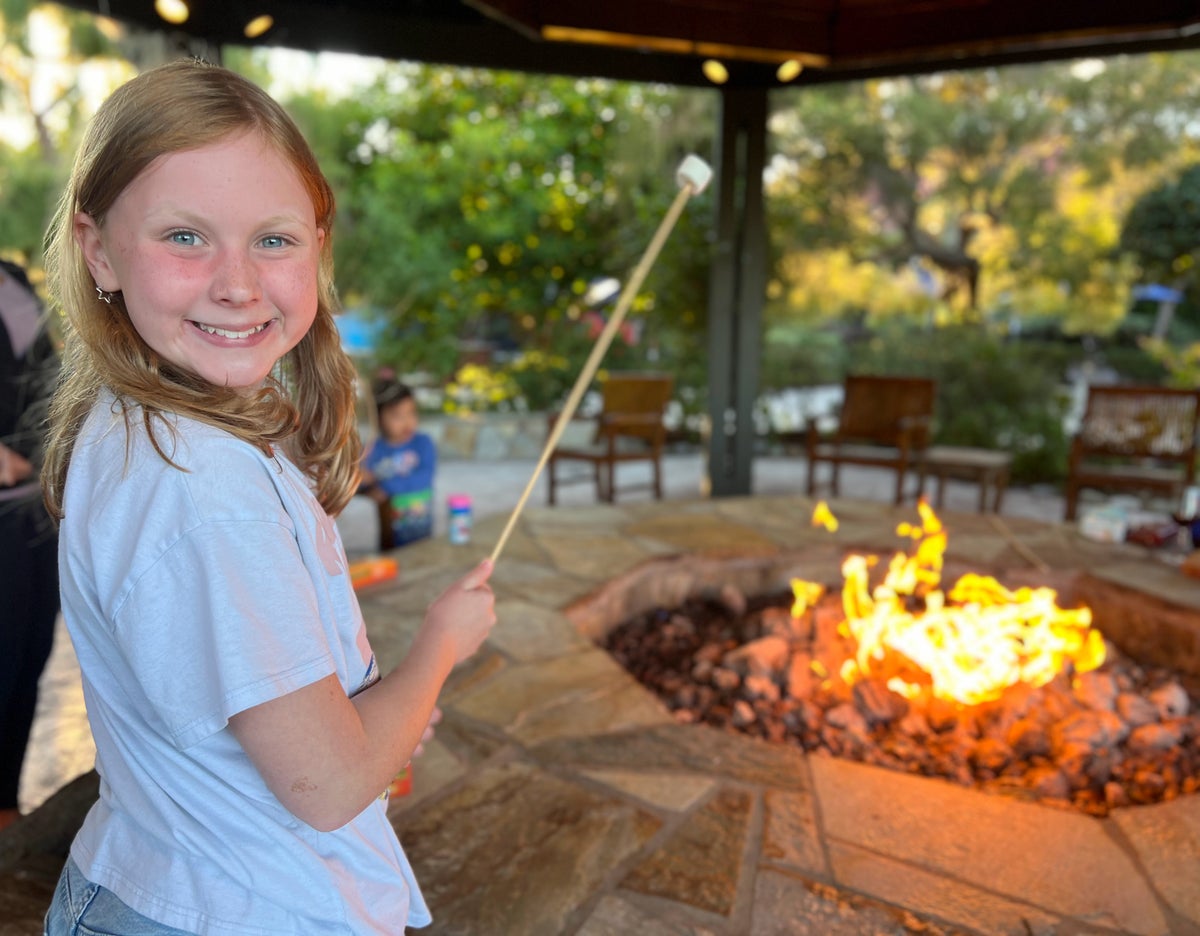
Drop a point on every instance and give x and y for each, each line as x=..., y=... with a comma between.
x=308, y=407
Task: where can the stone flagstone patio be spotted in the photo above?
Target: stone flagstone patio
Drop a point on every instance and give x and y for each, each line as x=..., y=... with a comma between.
x=560, y=797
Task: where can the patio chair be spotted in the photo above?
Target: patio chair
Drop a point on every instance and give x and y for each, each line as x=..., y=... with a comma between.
x=1134, y=438
x=628, y=429
x=884, y=422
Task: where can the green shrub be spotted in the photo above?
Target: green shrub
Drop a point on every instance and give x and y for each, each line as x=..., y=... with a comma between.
x=1140, y=365
x=542, y=378
x=801, y=356
x=477, y=388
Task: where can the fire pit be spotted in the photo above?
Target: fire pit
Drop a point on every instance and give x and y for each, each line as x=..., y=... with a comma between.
x=593, y=788
x=997, y=686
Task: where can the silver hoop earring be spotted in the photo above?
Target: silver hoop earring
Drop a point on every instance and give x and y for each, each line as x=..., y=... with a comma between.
x=106, y=296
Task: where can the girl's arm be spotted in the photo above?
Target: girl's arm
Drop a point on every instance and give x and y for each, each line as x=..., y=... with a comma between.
x=326, y=756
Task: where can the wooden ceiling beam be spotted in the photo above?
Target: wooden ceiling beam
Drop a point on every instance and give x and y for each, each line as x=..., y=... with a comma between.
x=847, y=39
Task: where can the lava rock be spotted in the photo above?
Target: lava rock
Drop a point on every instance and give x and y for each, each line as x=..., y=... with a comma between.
x=800, y=676
x=990, y=754
x=761, y=687
x=743, y=713
x=1028, y=738
x=1097, y=690
x=848, y=718
x=877, y=703
x=1048, y=783
x=733, y=599
x=763, y=657
x=1148, y=739
x=1115, y=796
x=725, y=679
x=1171, y=700
x=942, y=714
x=1136, y=710
x=1092, y=729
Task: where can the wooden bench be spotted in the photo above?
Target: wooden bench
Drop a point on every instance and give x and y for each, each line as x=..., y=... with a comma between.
x=1134, y=438
x=988, y=468
x=884, y=422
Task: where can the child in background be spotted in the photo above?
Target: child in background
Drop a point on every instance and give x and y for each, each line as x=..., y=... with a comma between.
x=398, y=469
x=202, y=439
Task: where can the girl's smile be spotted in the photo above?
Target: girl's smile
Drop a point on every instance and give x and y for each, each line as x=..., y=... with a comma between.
x=226, y=333
x=215, y=252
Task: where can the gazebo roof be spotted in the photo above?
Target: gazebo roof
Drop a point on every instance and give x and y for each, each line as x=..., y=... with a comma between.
x=667, y=40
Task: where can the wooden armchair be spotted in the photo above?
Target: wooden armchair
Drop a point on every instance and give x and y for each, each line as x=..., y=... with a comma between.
x=884, y=422
x=1134, y=439
x=629, y=429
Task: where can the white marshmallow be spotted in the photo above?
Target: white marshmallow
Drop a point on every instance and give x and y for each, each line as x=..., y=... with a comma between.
x=695, y=172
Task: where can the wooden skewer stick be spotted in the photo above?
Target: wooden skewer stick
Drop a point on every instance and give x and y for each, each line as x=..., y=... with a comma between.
x=693, y=176
x=1021, y=549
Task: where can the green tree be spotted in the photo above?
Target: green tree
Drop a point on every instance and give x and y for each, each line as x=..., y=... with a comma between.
x=28, y=188
x=1162, y=231
x=32, y=175
x=479, y=206
x=1001, y=188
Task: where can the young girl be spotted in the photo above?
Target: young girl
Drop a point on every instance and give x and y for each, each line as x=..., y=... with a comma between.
x=201, y=441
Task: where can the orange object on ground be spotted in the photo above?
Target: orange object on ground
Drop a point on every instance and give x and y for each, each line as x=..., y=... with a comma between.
x=401, y=784
x=373, y=571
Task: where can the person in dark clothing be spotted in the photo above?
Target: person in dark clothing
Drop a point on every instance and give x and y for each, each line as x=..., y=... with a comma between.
x=28, y=542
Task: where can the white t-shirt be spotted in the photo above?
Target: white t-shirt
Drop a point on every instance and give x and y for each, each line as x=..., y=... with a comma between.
x=192, y=595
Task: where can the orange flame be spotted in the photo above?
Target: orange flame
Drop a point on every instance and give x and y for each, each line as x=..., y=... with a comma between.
x=973, y=643
x=823, y=517
x=806, y=594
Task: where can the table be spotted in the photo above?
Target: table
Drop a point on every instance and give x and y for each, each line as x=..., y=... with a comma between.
x=987, y=467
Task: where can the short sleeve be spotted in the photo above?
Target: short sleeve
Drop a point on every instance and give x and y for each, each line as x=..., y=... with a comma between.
x=225, y=619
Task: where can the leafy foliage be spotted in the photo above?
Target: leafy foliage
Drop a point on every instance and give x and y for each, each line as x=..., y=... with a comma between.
x=28, y=188
x=47, y=99
x=478, y=206
x=983, y=194
x=1162, y=230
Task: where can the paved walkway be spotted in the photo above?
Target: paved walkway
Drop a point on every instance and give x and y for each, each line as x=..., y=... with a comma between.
x=559, y=797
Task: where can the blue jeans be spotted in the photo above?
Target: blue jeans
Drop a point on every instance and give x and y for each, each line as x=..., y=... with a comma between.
x=81, y=908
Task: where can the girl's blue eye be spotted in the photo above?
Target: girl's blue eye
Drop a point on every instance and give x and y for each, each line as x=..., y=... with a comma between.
x=274, y=241
x=184, y=238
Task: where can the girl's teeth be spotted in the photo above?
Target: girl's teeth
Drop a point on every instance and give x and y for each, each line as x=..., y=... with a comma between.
x=226, y=333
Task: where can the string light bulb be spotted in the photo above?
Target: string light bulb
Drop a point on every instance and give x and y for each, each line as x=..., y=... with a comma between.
x=259, y=25
x=174, y=12
x=715, y=71
x=789, y=70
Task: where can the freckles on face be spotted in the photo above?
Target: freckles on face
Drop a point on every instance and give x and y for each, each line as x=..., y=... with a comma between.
x=216, y=253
